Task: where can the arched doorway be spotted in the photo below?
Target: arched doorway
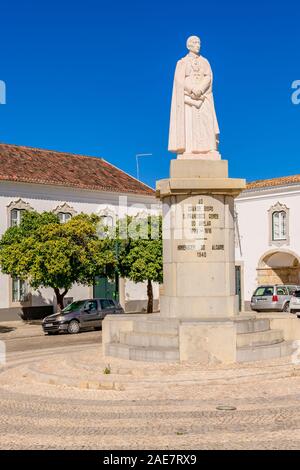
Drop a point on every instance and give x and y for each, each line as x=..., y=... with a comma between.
x=279, y=267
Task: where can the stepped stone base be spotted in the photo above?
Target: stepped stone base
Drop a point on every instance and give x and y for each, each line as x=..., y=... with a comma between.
x=264, y=352
x=139, y=353
x=243, y=338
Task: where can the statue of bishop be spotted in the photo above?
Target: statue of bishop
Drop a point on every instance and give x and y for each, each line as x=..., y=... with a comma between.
x=194, y=130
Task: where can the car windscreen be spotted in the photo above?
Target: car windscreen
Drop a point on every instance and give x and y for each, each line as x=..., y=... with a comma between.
x=291, y=289
x=73, y=306
x=264, y=291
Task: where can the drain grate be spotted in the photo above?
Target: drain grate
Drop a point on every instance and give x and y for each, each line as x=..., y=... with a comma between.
x=226, y=408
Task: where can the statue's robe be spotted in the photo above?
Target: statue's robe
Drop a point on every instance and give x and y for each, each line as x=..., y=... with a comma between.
x=205, y=111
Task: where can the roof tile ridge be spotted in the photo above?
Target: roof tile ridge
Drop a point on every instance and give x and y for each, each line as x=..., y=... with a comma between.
x=51, y=182
x=274, y=179
x=140, y=182
x=39, y=149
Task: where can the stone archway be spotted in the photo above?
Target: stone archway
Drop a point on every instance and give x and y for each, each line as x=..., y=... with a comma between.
x=279, y=267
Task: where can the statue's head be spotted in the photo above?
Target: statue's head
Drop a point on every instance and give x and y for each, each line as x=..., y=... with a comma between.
x=193, y=44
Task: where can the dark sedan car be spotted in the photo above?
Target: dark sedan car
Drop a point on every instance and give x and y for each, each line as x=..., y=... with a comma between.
x=81, y=314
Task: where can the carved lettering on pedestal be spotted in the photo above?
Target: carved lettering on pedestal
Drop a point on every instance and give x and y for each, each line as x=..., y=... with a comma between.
x=198, y=221
x=186, y=247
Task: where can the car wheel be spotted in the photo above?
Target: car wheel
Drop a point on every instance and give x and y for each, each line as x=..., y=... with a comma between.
x=292, y=311
x=98, y=328
x=73, y=327
x=286, y=307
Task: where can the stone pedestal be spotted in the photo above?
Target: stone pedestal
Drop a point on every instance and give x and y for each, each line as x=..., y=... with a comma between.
x=198, y=319
x=198, y=240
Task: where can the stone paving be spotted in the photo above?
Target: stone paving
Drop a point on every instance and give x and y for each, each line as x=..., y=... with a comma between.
x=19, y=329
x=62, y=400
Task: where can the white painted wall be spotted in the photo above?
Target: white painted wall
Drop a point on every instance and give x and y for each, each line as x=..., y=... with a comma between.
x=136, y=298
x=253, y=222
x=47, y=198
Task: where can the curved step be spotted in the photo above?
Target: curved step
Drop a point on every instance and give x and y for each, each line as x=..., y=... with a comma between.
x=149, y=339
x=260, y=353
x=253, y=325
x=259, y=338
x=169, y=327
x=137, y=353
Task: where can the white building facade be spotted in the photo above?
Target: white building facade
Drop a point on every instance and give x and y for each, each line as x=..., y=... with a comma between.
x=267, y=235
x=62, y=187
x=267, y=226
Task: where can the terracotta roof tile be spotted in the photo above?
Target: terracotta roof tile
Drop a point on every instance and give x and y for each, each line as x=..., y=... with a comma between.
x=32, y=165
x=282, y=181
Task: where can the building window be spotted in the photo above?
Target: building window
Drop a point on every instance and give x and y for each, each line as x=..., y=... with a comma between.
x=64, y=216
x=107, y=220
x=15, y=211
x=19, y=290
x=16, y=217
x=279, y=225
x=107, y=217
x=64, y=212
x=105, y=226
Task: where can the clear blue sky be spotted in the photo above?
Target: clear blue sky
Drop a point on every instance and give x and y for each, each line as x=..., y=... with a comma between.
x=95, y=77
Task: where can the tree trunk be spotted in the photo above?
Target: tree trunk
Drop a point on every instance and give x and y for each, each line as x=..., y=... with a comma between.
x=60, y=298
x=150, y=297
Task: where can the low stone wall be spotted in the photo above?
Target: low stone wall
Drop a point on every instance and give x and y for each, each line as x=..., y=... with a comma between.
x=10, y=314
x=25, y=313
x=288, y=323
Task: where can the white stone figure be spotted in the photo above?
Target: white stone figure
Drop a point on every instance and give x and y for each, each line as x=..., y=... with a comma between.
x=194, y=130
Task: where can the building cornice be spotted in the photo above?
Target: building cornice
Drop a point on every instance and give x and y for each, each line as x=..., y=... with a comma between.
x=253, y=193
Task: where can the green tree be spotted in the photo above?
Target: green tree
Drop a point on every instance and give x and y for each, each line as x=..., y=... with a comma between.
x=140, y=252
x=47, y=253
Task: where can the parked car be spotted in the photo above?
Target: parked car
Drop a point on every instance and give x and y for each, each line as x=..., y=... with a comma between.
x=272, y=297
x=295, y=302
x=81, y=314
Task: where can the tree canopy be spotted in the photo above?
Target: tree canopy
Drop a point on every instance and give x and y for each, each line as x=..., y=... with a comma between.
x=140, y=253
x=48, y=253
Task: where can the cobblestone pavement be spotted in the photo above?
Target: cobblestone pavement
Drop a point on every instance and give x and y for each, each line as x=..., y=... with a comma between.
x=62, y=400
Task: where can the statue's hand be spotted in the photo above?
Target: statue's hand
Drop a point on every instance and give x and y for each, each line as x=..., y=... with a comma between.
x=197, y=92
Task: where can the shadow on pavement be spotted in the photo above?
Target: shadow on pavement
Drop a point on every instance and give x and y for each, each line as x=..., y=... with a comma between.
x=6, y=329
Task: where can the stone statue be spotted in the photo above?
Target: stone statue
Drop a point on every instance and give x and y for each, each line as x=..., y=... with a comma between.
x=194, y=130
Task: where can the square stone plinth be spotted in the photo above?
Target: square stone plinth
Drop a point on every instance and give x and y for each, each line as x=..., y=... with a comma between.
x=199, y=176
x=198, y=169
x=208, y=342
x=198, y=307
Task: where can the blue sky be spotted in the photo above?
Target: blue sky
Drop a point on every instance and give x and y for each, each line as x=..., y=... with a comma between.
x=95, y=78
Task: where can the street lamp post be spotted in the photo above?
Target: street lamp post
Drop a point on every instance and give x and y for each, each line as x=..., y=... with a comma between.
x=137, y=162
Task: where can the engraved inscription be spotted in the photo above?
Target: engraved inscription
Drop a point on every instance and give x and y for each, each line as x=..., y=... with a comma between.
x=199, y=220
x=218, y=247
x=186, y=247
